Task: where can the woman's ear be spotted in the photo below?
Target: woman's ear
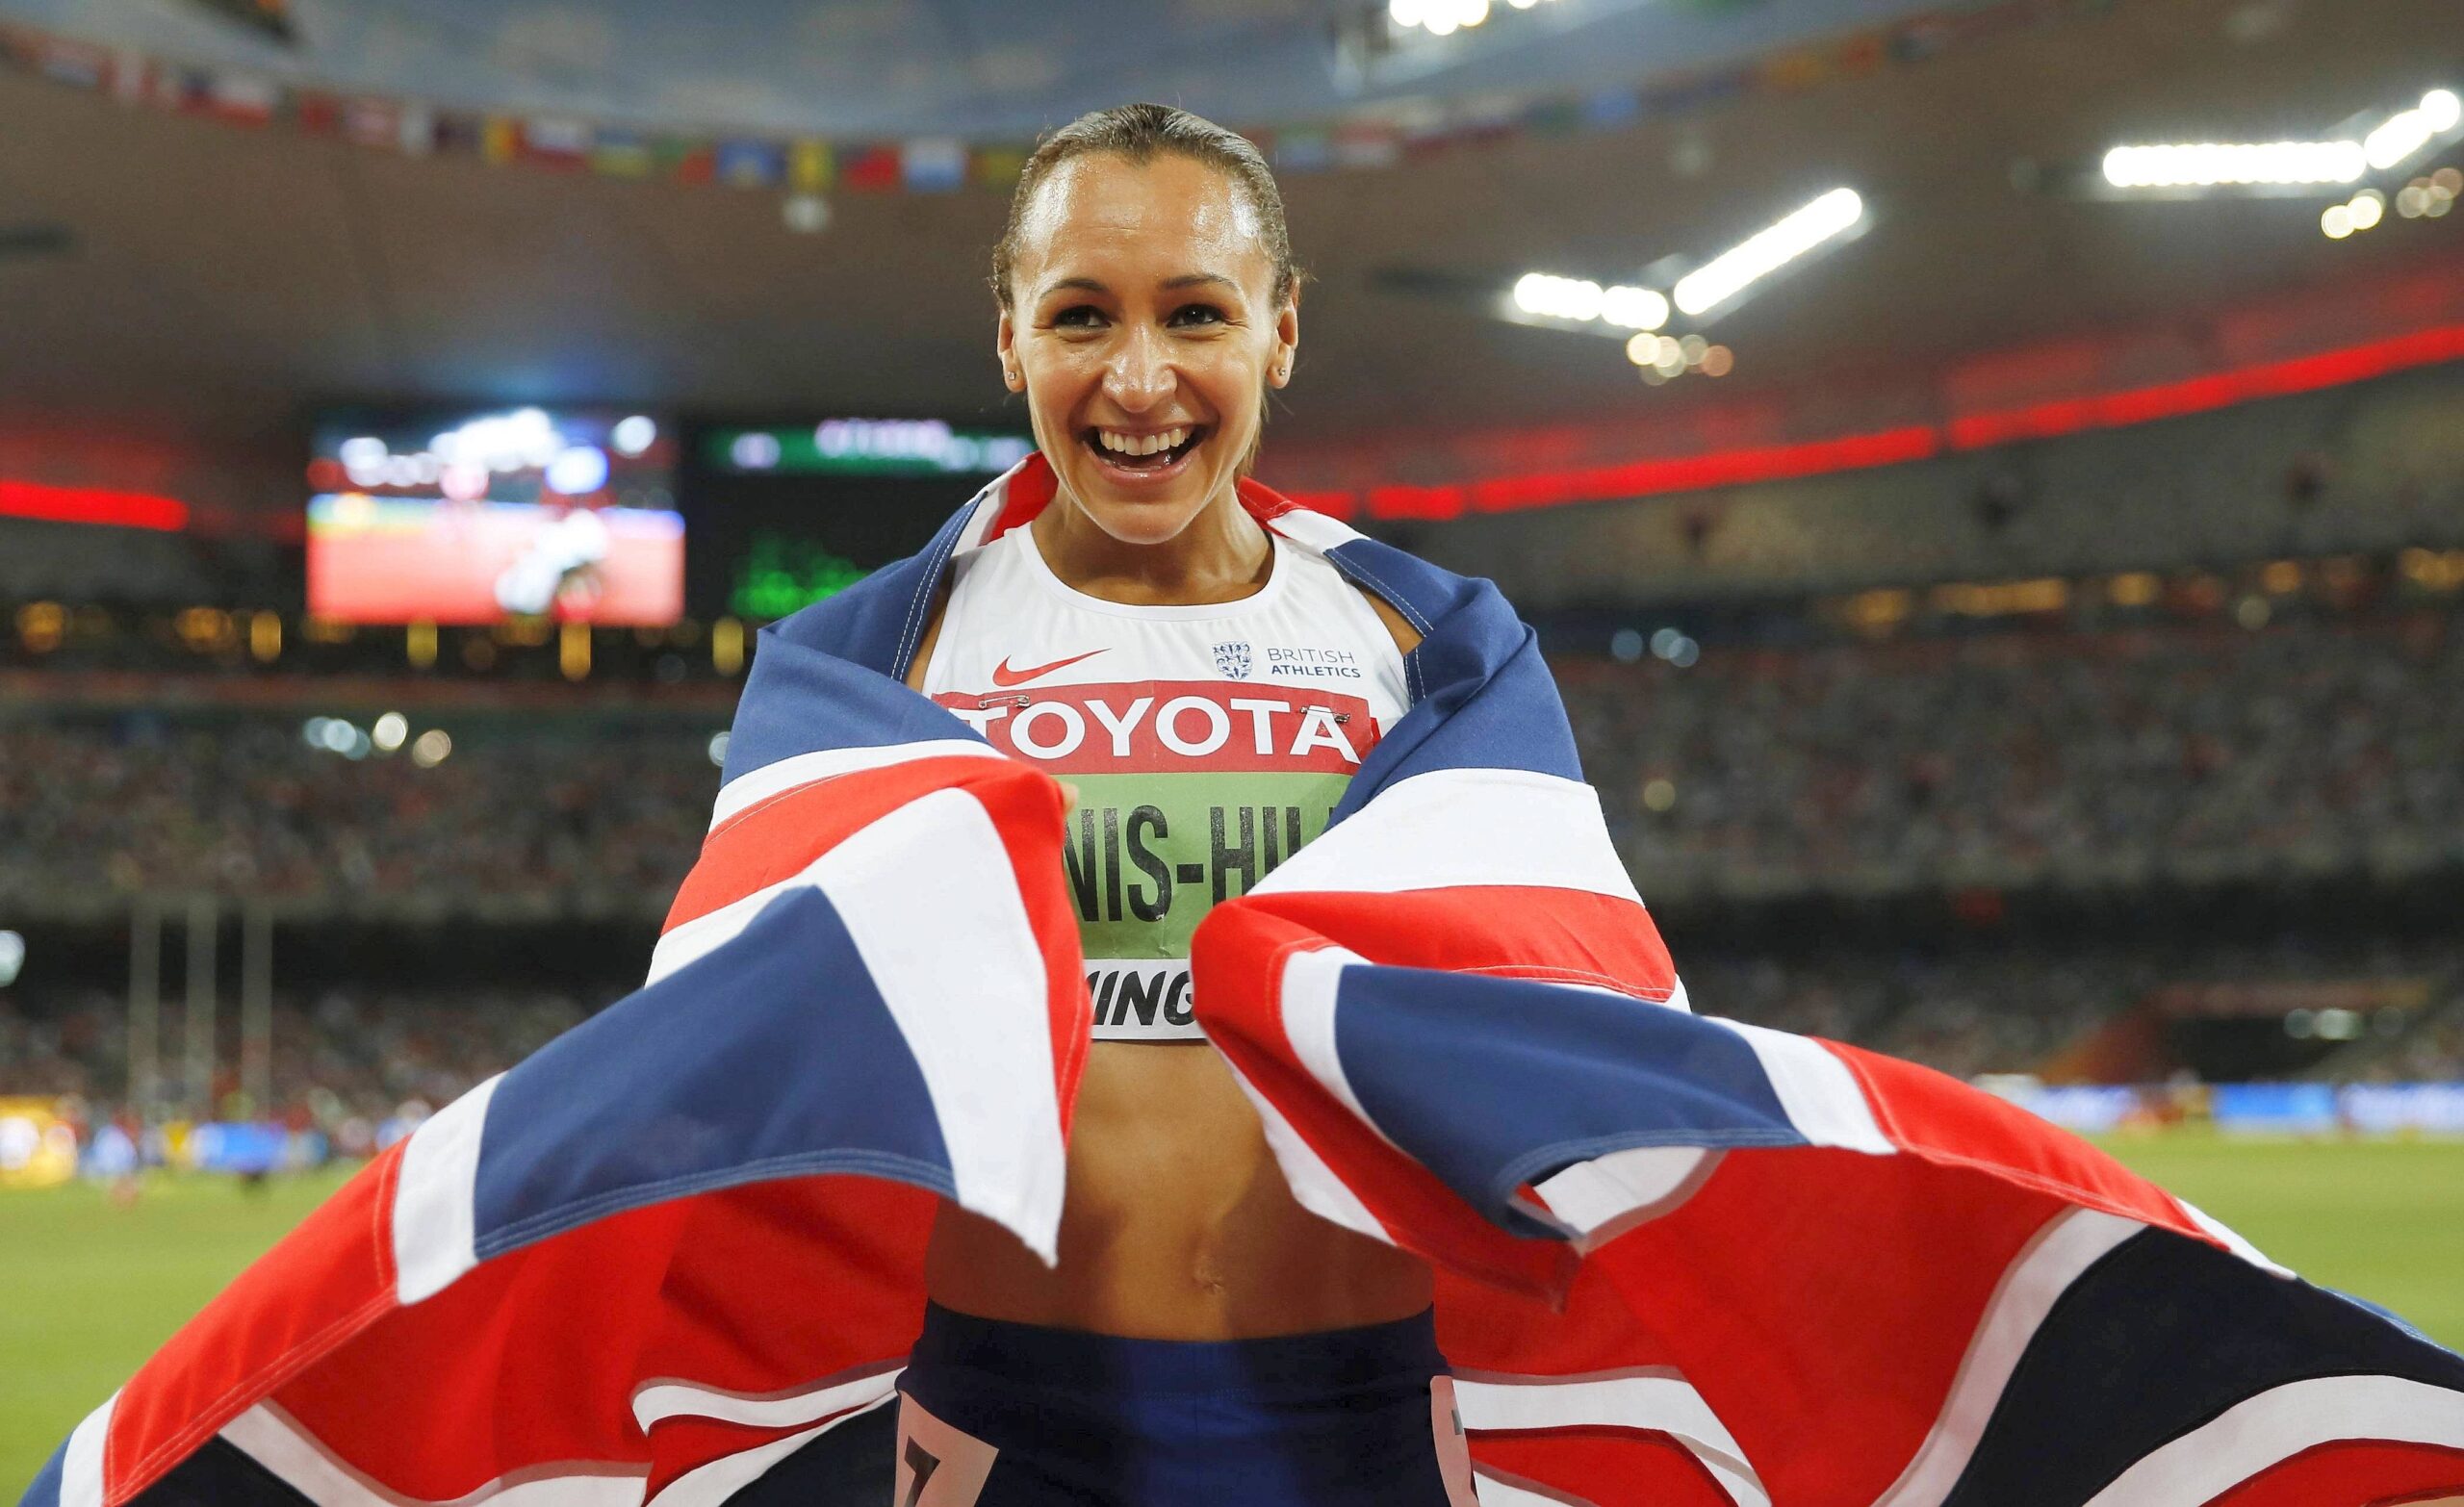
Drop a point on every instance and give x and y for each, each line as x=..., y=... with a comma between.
x=1005, y=346
x=1286, y=341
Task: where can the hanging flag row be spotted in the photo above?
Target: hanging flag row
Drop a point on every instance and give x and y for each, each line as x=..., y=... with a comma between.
x=1375, y=137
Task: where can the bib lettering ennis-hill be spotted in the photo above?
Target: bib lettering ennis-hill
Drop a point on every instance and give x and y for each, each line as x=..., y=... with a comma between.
x=1209, y=742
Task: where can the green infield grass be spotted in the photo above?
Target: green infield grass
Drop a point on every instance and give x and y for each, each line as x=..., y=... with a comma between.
x=93, y=1287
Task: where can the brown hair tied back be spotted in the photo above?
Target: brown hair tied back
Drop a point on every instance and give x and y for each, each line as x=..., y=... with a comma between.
x=1140, y=132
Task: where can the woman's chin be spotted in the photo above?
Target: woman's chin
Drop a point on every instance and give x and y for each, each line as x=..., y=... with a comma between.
x=1142, y=517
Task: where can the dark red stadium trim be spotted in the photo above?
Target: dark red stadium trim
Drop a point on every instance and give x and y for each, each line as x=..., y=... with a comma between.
x=1893, y=446
x=2200, y=395
x=1696, y=473
x=90, y=506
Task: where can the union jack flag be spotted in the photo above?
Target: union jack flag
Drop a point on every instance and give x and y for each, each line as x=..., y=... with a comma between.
x=675, y=1258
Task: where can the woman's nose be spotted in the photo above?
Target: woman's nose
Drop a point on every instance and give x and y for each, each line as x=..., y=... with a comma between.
x=1140, y=375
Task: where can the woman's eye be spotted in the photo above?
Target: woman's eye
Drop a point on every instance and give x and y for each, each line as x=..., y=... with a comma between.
x=1081, y=316
x=1198, y=313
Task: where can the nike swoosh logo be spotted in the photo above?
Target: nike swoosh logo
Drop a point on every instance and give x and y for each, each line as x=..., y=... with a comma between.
x=1003, y=674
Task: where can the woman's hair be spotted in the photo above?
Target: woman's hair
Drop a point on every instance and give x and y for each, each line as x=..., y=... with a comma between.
x=1140, y=133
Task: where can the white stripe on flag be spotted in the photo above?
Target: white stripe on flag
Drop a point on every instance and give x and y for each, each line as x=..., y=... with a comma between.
x=2232, y=1241
x=1464, y=826
x=80, y=1466
x=1318, y=531
x=1816, y=1091
x=433, y=1214
x=712, y=1484
x=275, y=1441
x=754, y=786
x=1310, y=981
x=990, y=503
x=1497, y=1491
x=673, y=1400
x=2053, y=1259
x=1589, y=1196
x=975, y=1016
x=1659, y=1402
x=1313, y=1183
x=2281, y=1423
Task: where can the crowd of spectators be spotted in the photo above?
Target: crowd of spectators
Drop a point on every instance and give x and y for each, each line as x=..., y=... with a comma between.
x=1998, y=759
x=249, y=808
x=340, y=1057
x=2013, y=757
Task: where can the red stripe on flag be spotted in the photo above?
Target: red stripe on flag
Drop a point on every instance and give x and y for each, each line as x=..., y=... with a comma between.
x=325, y=1282
x=1552, y=935
x=2353, y=1473
x=775, y=839
x=1942, y=1120
x=511, y=1368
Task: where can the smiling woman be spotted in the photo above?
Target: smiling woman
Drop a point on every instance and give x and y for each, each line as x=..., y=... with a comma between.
x=1208, y=683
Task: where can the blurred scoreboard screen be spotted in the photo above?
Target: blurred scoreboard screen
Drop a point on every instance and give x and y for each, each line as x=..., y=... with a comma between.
x=482, y=515
x=784, y=515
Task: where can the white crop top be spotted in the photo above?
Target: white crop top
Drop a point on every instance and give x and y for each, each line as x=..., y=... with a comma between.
x=1208, y=742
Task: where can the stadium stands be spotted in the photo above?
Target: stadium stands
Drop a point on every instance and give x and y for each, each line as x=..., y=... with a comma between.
x=2187, y=752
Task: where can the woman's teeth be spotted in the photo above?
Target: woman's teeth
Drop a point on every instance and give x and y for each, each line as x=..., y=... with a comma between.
x=1142, y=444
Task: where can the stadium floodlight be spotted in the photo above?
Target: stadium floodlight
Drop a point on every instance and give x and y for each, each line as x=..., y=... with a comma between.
x=2407, y=131
x=1726, y=275
x=1445, y=17
x=1579, y=300
x=1554, y=297
x=2207, y=165
x=1633, y=308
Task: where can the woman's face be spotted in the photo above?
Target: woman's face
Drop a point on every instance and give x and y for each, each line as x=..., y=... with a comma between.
x=1143, y=332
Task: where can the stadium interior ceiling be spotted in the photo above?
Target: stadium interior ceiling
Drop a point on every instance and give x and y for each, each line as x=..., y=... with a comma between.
x=221, y=282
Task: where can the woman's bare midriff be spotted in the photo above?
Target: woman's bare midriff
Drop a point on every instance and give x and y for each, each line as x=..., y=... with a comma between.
x=1177, y=1224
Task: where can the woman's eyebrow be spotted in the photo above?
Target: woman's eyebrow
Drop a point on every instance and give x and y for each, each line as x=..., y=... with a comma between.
x=1184, y=280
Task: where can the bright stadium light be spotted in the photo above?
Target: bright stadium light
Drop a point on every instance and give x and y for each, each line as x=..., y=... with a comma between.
x=2209, y=164
x=1445, y=17
x=1574, y=299
x=633, y=435
x=2407, y=131
x=1579, y=300
x=1726, y=275
x=1633, y=308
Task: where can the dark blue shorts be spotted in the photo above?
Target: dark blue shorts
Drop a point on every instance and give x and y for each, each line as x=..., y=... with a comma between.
x=1019, y=1416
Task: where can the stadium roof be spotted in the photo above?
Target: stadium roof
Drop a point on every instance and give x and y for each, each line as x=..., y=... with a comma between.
x=222, y=281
